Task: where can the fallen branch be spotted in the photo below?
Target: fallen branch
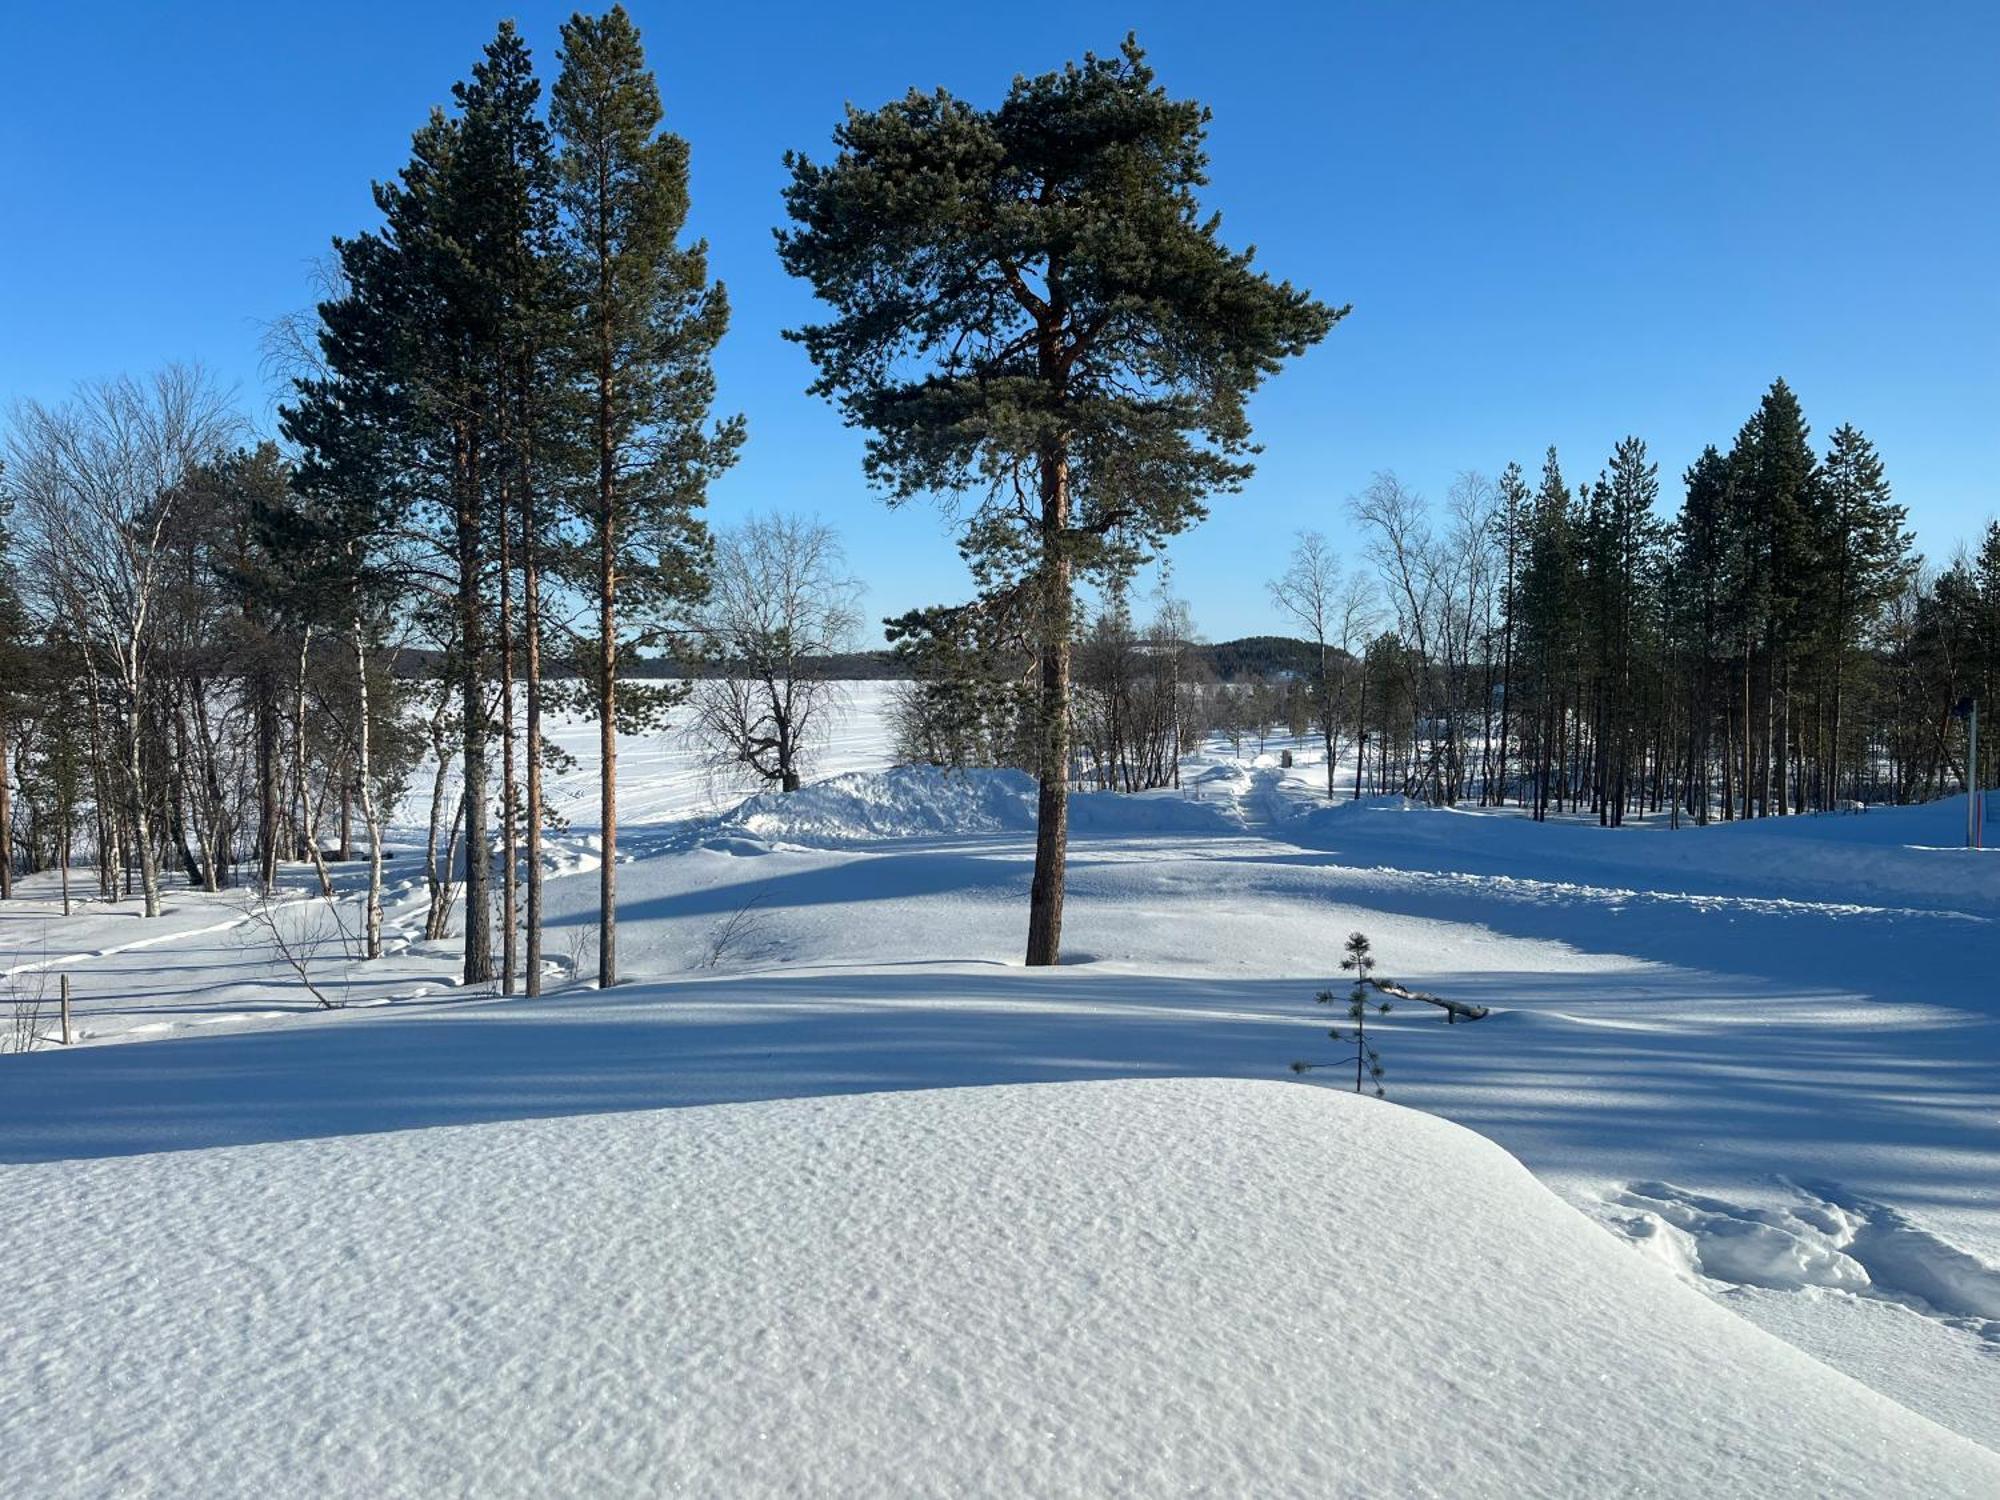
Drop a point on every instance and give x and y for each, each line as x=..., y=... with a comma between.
x=1454, y=1010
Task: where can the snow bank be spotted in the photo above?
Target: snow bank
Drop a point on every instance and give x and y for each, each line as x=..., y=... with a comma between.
x=912, y=802
x=1888, y=855
x=908, y=802
x=1102, y=1288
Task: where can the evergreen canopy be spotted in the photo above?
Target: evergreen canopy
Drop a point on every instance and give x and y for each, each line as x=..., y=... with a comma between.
x=1014, y=284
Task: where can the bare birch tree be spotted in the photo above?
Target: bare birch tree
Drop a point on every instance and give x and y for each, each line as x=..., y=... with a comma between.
x=97, y=479
x=780, y=602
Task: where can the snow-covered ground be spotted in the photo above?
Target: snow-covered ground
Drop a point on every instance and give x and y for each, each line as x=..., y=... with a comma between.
x=1765, y=1058
x=1135, y=1288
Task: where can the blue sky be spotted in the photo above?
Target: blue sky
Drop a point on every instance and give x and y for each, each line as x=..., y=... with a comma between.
x=1557, y=224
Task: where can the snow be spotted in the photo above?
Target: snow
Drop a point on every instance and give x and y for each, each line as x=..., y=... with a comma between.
x=1759, y=1064
x=1185, y=1287
x=911, y=802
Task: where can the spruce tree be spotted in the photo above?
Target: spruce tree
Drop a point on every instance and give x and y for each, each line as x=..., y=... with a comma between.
x=1029, y=306
x=1865, y=556
x=648, y=321
x=1772, y=479
x=1701, y=553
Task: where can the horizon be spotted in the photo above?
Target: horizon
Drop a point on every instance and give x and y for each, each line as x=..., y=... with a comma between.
x=1572, y=241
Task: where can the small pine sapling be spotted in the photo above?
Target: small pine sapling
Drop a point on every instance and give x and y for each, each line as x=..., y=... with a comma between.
x=1367, y=1061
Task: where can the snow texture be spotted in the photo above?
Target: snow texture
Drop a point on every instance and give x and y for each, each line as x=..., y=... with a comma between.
x=1188, y=1287
x=1765, y=1058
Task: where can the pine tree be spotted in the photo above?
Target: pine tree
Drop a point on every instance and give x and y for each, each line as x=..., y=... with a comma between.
x=1701, y=554
x=1865, y=556
x=1029, y=305
x=507, y=147
x=1549, y=597
x=647, y=327
x=1772, y=478
x=1360, y=962
x=1633, y=555
x=396, y=424
x=964, y=701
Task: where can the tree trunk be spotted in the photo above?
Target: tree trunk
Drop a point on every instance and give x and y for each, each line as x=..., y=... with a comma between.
x=510, y=916
x=142, y=832
x=370, y=814
x=1045, y=893
x=309, y=815
x=607, y=676
x=6, y=821
x=531, y=632
x=437, y=878
x=478, y=857
x=1326, y=714
x=100, y=776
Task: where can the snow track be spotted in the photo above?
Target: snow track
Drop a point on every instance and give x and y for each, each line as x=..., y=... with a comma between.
x=1825, y=1238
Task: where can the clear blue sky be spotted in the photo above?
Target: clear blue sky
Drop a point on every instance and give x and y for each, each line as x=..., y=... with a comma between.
x=1556, y=223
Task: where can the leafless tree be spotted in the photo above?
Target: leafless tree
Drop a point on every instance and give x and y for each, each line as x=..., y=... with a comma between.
x=780, y=602
x=1310, y=593
x=97, y=479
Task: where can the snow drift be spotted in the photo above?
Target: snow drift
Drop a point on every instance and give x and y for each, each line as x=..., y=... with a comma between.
x=1100, y=1288
x=912, y=802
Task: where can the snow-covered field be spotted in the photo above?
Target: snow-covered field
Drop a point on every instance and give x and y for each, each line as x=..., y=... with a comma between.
x=434, y=1242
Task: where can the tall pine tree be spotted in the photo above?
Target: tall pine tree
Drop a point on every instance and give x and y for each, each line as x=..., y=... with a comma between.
x=1028, y=304
x=1865, y=560
x=647, y=325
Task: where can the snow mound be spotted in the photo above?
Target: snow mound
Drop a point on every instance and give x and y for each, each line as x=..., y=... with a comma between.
x=908, y=802
x=914, y=802
x=1113, y=813
x=1137, y=1288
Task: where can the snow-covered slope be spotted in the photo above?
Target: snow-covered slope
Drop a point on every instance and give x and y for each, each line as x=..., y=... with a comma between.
x=1153, y=1288
x=1766, y=1058
x=1885, y=857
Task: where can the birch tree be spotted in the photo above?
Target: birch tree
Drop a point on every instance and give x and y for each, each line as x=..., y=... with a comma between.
x=96, y=480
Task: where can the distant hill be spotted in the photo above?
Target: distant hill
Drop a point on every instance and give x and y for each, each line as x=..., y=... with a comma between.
x=1261, y=655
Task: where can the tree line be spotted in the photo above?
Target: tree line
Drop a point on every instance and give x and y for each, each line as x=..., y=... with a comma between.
x=1775, y=646
x=496, y=444
x=499, y=433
